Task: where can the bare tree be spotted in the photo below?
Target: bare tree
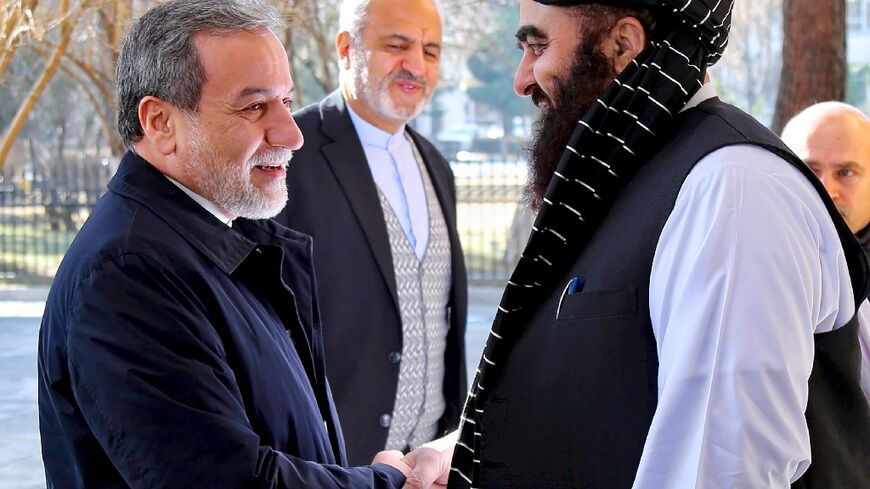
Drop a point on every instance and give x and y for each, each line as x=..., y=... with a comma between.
x=66, y=19
x=91, y=62
x=813, y=54
x=15, y=20
x=749, y=72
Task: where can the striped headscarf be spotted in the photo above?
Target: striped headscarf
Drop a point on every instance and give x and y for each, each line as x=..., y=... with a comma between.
x=626, y=125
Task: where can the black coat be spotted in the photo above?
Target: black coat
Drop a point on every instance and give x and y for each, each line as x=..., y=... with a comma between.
x=333, y=198
x=177, y=352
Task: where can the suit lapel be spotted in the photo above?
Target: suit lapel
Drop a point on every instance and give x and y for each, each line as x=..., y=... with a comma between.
x=346, y=158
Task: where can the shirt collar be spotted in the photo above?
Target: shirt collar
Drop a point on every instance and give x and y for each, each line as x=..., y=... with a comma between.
x=374, y=136
x=205, y=203
x=706, y=92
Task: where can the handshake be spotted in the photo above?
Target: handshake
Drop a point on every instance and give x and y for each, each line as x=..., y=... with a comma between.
x=425, y=467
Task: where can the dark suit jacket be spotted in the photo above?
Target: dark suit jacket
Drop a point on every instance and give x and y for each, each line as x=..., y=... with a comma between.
x=333, y=197
x=165, y=359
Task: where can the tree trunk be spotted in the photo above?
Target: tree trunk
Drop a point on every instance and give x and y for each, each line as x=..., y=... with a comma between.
x=67, y=25
x=813, y=56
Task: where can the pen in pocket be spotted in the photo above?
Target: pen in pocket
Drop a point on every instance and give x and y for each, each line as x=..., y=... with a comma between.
x=573, y=286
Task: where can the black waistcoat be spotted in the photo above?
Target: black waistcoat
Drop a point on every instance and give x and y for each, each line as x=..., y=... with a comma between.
x=573, y=403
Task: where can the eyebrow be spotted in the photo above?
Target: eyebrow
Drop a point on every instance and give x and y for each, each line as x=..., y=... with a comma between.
x=526, y=31
x=849, y=164
x=254, y=91
x=404, y=38
x=838, y=165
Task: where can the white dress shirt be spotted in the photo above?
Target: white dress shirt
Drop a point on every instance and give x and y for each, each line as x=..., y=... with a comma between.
x=747, y=268
x=205, y=203
x=393, y=163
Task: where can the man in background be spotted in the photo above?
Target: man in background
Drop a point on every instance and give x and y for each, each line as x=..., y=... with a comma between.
x=833, y=139
x=180, y=345
x=379, y=201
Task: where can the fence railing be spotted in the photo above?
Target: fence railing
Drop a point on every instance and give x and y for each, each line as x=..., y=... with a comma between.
x=492, y=223
x=41, y=213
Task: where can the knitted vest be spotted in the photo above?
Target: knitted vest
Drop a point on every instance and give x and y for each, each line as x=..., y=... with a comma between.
x=423, y=289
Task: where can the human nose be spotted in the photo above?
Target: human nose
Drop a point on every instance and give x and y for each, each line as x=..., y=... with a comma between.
x=524, y=79
x=285, y=133
x=831, y=185
x=413, y=62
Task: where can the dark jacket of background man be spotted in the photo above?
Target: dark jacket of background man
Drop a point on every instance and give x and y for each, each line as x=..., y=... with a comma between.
x=200, y=346
x=333, y=198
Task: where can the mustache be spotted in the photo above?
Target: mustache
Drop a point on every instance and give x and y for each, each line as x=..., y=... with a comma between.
x=407, y=75
x=271, y=157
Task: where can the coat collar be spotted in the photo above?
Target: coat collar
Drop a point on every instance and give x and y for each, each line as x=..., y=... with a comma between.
x=138, y=180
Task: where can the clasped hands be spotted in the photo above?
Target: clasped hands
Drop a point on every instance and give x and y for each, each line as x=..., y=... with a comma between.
x=425, y=467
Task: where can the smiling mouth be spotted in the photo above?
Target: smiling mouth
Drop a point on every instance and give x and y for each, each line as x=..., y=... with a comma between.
x=269, y=167
x=409, y=86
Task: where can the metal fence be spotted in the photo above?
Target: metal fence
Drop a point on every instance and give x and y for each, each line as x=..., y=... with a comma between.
x=41, y=212
x=493, y=225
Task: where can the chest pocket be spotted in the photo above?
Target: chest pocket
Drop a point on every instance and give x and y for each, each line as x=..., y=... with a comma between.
x=598, y=304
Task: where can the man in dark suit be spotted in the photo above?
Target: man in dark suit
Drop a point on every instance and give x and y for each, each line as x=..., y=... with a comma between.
x=683, y=314
x=379, y=201
x=180, y=345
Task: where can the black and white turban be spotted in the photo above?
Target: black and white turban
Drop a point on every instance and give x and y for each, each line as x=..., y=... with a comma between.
x=619, y=133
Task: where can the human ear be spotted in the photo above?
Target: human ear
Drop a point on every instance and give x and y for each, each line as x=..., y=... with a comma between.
x=158, y=121
x=342, y=48
x=628, y=39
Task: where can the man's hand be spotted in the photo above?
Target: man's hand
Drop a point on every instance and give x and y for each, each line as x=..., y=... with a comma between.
x=430, y=468
x=393, y=458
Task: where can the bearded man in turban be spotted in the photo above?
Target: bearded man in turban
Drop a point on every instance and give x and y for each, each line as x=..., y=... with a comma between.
x=685, y=313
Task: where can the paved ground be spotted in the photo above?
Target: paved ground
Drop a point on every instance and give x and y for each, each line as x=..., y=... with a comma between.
x=20, y=312
x=20, y=460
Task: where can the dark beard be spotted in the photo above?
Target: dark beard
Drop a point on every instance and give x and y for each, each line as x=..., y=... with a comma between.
x=591, y=72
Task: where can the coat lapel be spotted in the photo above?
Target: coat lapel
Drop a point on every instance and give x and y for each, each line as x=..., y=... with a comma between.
x=345, y=156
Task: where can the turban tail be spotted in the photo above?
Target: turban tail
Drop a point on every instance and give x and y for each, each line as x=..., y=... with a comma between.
x=620, y=132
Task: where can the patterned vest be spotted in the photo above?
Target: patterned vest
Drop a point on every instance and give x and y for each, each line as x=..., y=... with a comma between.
x=423, y=289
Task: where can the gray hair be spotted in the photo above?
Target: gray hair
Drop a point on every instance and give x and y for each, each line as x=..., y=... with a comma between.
x=158, y=57
x=352, y=17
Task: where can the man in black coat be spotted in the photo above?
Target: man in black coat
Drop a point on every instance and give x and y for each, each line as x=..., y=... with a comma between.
x=685, y=312
x=379, y=201
x=181, y=343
